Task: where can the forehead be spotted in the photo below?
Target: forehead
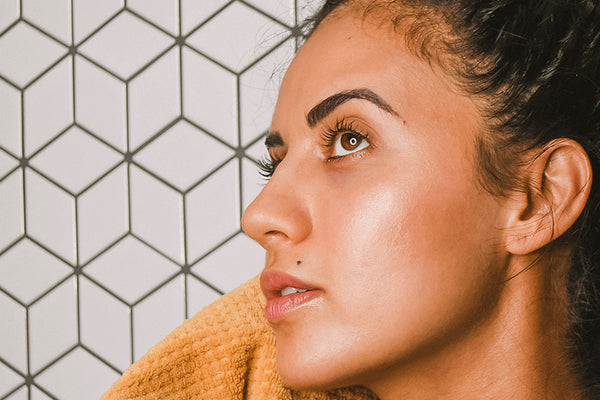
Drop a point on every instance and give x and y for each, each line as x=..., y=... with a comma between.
x=348, y=52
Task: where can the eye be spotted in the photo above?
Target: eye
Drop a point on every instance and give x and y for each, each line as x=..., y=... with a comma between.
x=349, y=142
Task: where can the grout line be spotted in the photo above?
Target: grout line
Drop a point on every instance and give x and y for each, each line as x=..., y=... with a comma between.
x=156, y=288
x=264, y=13
x=41, y=389
x=209, y=58
x=13, y=391
x=210, y=18
x=99, y=358
x=150, y=63
x=101, y=26
x=149, y=22
x=131, y=334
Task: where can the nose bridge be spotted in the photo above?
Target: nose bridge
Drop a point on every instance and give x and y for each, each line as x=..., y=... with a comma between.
x=281, y=211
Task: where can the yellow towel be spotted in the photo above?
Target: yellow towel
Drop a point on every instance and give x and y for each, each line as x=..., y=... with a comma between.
x=226, y=351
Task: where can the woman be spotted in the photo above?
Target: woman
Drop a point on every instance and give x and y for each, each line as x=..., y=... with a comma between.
x=432, y=216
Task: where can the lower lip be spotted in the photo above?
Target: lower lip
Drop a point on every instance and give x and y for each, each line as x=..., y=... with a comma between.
x=279, y=307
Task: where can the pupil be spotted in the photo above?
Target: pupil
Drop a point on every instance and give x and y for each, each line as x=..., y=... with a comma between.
x=350, y=141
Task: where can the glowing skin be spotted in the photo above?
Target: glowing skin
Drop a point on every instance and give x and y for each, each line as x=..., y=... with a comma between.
x=403, y=245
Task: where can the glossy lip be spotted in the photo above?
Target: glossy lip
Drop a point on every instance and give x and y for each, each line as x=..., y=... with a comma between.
x=271, y=284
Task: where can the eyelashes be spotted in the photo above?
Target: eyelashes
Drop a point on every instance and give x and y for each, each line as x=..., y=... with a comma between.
x=332, y=138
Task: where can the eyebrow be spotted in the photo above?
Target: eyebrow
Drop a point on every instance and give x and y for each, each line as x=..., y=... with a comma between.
x=274, y=139
x=325, y=107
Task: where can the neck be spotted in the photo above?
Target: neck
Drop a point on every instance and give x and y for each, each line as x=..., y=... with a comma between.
x=516, y=351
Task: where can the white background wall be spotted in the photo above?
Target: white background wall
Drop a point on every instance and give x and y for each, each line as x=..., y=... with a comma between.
x=129, y=132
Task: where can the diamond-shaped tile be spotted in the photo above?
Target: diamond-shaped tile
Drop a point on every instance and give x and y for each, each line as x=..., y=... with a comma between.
x=76, y=159
x=199, y=295
x=240, y=42
x=10, y=123
x=105, y=324
x=11, y=212
x=103, y=213
x=26, y=270
x=213, y=210
x=131, y=269
x=163, y=13
x=194, y=12
x=9, y=379
x=210, y=96
x=283, y=10
x=26, y=53
x=53, y=324
x=259, y=87
x=50, y=215
x=183, y=155
x=53, y=16
x=13, y=348
x=224, y=269
x=154, y=98
x=158, y=315
x=9, y=13
x=48, y=106
x=78, y=375
x=100, y=103
x=252, y=182
x=90, y=14
x=157, y=214
x=126, y=44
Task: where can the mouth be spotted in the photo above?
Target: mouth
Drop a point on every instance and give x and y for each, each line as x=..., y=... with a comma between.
x=285, y=294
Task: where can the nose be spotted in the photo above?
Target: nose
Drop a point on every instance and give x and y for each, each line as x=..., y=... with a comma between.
x=280, y=214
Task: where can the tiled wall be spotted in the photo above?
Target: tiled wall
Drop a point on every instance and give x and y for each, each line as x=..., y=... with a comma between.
x=129, y=133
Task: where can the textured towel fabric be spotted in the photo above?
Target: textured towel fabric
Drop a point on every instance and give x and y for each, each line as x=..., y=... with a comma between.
x=226, y=351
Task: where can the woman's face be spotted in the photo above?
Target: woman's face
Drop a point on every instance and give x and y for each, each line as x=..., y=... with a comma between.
x=375, y=207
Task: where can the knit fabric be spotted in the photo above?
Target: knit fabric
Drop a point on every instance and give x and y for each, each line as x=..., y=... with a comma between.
x=225, y=351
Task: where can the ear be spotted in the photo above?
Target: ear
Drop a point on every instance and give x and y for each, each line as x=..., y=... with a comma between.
x=557, y=186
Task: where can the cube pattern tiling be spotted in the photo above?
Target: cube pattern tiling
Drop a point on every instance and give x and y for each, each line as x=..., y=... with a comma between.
x=129, y=136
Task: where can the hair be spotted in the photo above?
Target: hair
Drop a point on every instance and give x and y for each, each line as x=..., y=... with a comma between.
x=536, y=65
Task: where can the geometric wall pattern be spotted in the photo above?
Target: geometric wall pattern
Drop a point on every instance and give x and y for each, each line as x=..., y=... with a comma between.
x=129, y=136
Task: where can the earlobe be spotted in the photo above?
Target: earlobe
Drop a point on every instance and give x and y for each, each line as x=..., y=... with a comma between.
x=556, y=188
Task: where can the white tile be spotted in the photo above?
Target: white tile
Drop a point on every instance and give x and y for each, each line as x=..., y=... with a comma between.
x=183, y=155
x=105, y=324
x=210, y=96
x=308, y=8
x=26, y=53
x=37, y=394
x=53, y=16
x=157, y=214
x=48, y=106
x=157, y=316
x=103, y=213
x=194, y=12
x=13, y=348
x=100, y=103
x=252, y=182
x=20, y=394
x=50, y=215
x=75, y=159
x=9, y=379
x=244, y=35
x=7, y=163
x=90, y=14
x=232, y=264
x=164, y=13
x=26, y=271
x=213, y=210
x=10, y=123
x=259, y=87
x=199, y=295
x=154, y=98
x=9, y=12
x=126, y=44
x=257, y=151
x=131, y=269
x=53, y=324
x=78, y=375
x=11, y=212
x=283, y=10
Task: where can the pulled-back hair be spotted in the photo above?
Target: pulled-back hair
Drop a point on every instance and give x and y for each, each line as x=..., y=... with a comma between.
x=536, y=65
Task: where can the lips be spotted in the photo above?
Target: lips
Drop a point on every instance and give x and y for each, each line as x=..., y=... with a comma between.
x=284, y=294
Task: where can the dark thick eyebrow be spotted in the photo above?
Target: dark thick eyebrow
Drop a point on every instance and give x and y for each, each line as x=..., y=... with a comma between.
x=274, y=139
x=325, y=107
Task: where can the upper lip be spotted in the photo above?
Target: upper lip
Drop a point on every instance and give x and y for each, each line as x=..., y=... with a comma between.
x=273, y=282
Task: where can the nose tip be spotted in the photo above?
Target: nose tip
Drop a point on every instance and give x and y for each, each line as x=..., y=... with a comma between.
x=277, y=215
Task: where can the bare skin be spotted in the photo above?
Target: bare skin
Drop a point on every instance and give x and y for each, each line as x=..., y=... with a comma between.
x=408, y=257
